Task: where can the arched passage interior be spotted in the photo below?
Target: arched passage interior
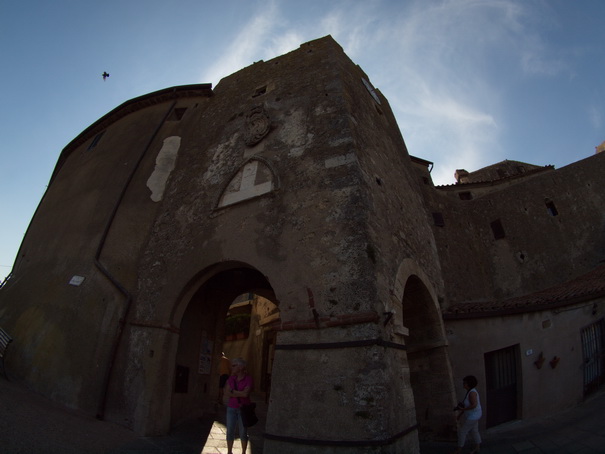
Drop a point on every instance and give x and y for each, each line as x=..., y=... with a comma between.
x=430, y=370
x=202, y=336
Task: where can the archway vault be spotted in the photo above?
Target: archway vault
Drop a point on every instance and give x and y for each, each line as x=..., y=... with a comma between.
x=226, y=278
x=426, y=346
x=200, y=315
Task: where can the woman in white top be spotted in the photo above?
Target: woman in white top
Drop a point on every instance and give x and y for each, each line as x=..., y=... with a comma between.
x=470, y=408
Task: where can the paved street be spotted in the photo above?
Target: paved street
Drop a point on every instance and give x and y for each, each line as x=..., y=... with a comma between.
x=32, y=424
x=580, y=430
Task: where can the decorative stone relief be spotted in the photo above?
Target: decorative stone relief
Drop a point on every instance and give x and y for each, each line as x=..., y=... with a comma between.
x=253, y=179
x=258, y=126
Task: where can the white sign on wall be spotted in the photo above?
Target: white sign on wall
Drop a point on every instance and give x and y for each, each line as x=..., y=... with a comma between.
x=76, y=280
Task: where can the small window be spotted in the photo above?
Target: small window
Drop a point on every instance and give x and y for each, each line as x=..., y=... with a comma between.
x=181, y=380
x=260, y=91
x=497, y=229
x=438, y=219
x=96, y=140
x=551, y=208
x=465, y=195
x=371, y=90
x=177, y=114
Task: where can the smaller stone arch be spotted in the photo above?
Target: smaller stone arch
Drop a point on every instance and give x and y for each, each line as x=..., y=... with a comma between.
x=254, y=178
x=427, y=354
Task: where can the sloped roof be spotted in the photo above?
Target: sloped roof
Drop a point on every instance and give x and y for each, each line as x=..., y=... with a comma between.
x=132, y=105
x=506, y=162
x=495, y=181
x=584, y=288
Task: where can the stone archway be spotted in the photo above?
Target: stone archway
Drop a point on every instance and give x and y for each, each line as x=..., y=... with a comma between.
x=201, y=337
x=428, y=358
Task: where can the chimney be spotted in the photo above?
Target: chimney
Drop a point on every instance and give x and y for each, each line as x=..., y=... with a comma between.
x=461, y=176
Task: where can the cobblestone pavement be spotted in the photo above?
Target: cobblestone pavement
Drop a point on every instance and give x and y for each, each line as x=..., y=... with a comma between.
x=32, y=424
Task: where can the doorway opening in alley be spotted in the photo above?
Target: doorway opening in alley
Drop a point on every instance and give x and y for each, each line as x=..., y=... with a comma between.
x=250, y=334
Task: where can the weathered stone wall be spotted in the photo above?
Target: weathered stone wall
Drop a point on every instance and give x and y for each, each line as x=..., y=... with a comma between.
x=309, y=237
x=551, y=232
x=63, y=332
x=538, y=250
x=404, y=256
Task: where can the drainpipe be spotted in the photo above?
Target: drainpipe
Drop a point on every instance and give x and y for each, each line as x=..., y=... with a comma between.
x=112, y=279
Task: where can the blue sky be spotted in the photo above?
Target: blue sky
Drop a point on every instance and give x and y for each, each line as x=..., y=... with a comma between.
x=471, y=82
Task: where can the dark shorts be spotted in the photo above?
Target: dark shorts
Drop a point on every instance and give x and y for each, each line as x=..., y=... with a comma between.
x=222, y=380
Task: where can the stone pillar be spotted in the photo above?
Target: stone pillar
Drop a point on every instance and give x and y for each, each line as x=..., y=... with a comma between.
x=343, y=389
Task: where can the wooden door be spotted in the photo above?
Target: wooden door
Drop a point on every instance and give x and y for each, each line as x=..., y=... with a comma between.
x=593, y=350
x=501, y=368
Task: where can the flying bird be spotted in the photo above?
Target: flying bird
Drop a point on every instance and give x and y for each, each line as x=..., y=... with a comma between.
x=105, y=75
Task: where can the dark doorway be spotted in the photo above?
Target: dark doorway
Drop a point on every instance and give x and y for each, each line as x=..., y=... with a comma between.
x=593, y=351
x=430, y=374
x=501, y=380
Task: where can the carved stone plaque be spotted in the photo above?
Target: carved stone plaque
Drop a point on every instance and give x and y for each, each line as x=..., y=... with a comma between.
x=258, y=126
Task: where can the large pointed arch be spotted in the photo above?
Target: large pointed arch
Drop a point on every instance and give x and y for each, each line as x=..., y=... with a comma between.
x=200, y=317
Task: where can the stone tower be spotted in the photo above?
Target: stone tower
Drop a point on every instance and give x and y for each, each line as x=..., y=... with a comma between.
x=290, y=180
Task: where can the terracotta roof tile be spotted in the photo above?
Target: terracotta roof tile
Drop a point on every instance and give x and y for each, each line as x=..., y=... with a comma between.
x=583, y=288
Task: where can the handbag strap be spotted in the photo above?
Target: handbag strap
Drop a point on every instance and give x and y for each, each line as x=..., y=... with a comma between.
x=466, y=395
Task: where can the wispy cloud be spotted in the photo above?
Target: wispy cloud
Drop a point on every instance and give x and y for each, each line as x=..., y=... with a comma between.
x=428, y=58
x=247, y=45
x=595, y=116
x=354, y=25
x=537, y=61
x=437, y=84
x=284, y=43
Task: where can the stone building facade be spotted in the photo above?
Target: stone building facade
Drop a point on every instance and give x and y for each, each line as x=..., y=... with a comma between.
x=290, y=180
x=522, y=250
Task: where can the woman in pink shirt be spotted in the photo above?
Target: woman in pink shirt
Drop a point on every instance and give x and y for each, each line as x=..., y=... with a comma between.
x=237, y=390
